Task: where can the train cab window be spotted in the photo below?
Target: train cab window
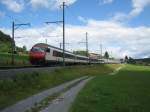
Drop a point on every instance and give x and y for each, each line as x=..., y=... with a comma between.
x=37, y=49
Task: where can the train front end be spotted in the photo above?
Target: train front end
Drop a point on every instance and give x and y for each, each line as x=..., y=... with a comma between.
x=37, y=55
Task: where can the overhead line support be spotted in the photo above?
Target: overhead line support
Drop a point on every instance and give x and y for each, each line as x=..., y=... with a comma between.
x=63, y=21
x=14, y=27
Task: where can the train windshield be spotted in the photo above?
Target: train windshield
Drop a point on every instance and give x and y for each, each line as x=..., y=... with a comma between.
x=38, y=49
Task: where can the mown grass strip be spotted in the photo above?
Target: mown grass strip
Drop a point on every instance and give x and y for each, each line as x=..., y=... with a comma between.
x=127, y=91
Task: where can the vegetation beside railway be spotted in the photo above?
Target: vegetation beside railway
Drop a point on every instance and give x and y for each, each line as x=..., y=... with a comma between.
x=20, y=60
x=21, y=55
x=126, y=91
x=22, y=86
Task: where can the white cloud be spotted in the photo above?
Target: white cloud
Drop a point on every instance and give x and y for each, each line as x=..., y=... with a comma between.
x=119, y=16
x=18, y=5
x=2, y=14
x=51, y=4
x=82, y=19
x=121, y=40
x=13, y=5
x=101, y=2
x=137, y=8
x=39, y=3
x=107, y=1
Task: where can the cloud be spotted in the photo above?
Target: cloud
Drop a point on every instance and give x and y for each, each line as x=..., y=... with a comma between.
x=2, y=14
x=102, y=2
x=39, y=3
x=19, y=5
x=115, y=37
x=51, y=4
x=82, y=19
x=13, y=5
x=107, y=1
x=137, y=8
x=119, y=16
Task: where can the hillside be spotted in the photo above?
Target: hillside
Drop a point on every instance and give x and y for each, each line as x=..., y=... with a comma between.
x=5, y=42
x=21, y=55
x=145, y=61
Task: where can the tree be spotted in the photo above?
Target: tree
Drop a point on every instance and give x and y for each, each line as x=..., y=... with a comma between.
x=24, y=48
x=131, y=60
x=83, y=53
x=106, y=55
x=5, y=42
x=126, y=58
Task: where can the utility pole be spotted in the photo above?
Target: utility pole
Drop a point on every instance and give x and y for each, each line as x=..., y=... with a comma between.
x=46, y=41
x=60, y=44
x=63, y=21
x=101, y=50
x=111, y=54
x=14, y=27
x=86, y=43
x=87, y=51
x=13, y=43
x=63, y=33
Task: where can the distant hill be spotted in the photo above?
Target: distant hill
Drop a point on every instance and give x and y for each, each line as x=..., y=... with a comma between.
x=146, y=60
x=6, y=42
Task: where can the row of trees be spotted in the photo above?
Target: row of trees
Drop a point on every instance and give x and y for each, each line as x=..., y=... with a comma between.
x=83, y=53
x=4, y=37
x=129, y=60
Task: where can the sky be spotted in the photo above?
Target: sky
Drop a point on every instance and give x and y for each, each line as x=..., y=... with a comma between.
x=122, y=27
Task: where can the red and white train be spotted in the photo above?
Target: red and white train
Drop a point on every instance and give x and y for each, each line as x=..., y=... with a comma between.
x=43, y=54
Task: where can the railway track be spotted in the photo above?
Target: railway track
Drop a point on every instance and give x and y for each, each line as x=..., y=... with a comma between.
x=17, y=67
x=11, y=72
x=8, y=72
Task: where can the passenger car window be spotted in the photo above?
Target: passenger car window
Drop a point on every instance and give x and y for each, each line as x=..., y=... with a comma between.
x=48, y=50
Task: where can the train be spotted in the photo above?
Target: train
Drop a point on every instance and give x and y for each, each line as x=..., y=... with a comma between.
x=44, y=54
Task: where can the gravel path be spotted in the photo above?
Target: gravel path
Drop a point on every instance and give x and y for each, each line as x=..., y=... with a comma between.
x=64, y=102
x=28, y=103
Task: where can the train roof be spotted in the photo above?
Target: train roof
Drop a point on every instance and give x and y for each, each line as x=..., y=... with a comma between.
x=46, y=46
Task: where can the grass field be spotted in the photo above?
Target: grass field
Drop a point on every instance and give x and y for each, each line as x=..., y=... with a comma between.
x=20, y=60
x=22, y=86
x=127, y=91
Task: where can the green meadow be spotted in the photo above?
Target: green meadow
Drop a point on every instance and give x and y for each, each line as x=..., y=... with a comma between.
x=126, y=91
